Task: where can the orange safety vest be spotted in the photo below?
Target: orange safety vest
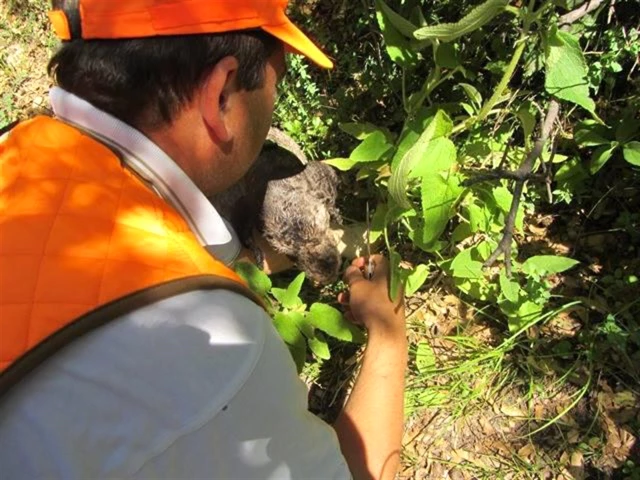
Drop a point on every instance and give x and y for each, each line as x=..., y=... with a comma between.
x=82, y=241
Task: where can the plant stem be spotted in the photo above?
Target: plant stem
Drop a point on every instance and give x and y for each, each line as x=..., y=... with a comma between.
x=504, y=82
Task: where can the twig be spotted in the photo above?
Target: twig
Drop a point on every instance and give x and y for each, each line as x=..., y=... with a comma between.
x=525, y=169
x=500, y=174
x=581, y=11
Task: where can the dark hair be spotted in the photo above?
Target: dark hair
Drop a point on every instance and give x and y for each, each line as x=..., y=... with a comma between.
x=146, y=81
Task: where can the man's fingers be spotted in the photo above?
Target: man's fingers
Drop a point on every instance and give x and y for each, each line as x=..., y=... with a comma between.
x=352, y=275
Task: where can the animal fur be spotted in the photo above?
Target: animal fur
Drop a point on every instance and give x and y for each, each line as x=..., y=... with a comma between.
x=292, y=203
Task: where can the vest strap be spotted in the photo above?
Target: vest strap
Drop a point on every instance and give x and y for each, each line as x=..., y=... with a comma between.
x=104, y=314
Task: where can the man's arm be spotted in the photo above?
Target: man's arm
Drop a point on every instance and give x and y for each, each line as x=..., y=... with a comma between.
x=371, y=425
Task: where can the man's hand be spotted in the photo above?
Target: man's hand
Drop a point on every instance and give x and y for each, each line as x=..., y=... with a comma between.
x=371, y=424
x=368, y=300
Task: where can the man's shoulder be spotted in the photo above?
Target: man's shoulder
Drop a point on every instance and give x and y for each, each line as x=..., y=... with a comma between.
x=141, y=379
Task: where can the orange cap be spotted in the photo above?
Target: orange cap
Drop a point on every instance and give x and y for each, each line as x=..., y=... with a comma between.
x=107, y=19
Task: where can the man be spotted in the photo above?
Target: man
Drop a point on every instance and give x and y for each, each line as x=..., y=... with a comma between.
x=105, y=223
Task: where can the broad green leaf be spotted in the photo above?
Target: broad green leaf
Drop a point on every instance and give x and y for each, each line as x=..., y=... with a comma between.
x=526, y=313
x=401, y=24
x=485, y=249
x=589, y=133
x=398, y=275
x=359, y=130
x=398, y=47
x=509, y=288
x=342, y=164
x=289, y=297
x=439, y=126
x=627, y=129
x=288, y=330
x=439, y=195
x=441, y=155
x=411, y=131
x=527, y=114
x=425, y=358
x=503, y=198
x=332, y=322
x=464, y=266
x=319, y=348
x=373, y=147
x=631, y=153
x=447, y=56
x=257, y=280
x=473, y=94
x=548, y=264
x=476, y=18
x=479, y=218
x=416, y=279
x=572, y=175
x=600, y=157
x=300, y=319
x=566, y=70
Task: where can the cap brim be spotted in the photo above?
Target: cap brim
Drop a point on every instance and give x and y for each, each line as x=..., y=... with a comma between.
x=298, y=42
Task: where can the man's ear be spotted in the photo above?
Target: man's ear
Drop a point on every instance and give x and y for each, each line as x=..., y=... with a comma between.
x=217, y=88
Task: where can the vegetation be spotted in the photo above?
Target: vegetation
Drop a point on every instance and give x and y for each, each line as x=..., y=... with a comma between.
x=499, y=143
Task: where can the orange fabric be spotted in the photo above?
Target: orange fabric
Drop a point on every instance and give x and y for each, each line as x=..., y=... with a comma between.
x=148, y=18
x=78, y=230
x=60, y=24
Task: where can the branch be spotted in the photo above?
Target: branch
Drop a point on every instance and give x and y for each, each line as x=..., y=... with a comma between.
x=504, y=247
x=581, y=11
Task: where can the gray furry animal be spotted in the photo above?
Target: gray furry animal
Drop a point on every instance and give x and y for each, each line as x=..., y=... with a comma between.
x=292, y=202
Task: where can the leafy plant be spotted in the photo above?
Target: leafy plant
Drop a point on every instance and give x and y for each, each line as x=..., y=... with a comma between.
x=299, y=325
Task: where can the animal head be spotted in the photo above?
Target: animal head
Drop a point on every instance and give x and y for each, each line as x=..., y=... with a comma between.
x=320, y=260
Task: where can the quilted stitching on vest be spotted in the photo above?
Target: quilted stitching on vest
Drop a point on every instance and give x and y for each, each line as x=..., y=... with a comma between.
x=78, y=230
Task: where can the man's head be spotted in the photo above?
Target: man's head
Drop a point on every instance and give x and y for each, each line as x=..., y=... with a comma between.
x=194, y=75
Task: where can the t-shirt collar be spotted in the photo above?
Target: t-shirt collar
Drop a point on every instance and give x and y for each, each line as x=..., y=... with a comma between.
x=154, y=166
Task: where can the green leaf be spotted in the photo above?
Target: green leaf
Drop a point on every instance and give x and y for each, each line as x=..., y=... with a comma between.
x=257, y=280
x=600, y=157
x=503, y=198
x=320, y=348
x=631, y=153
x=287, y=328
x=439, y=126
x=416, y=279
x=476, y=18
x=398, y=47
x=398, y=276
x=300, y=319
x=547, y=264
x=627, y=129
x=425, y=358
x=342, y=164
x=401, y=24
x=510, y=289
x=447, y=56
x=441, y=155
x=332, y=322
x=372, y=148
x=473, y=94
x=464, y=266
x=411, y=131
x=590, y=133
x=526, y=313
x=439, y=195
x=359, y=130
x=527, y=114
x=566, y=70
x=289, y=298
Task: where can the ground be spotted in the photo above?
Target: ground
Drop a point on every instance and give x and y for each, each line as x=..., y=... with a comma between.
x=480, y=403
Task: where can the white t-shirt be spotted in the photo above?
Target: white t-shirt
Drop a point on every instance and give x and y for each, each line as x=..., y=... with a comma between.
x=196, y=386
